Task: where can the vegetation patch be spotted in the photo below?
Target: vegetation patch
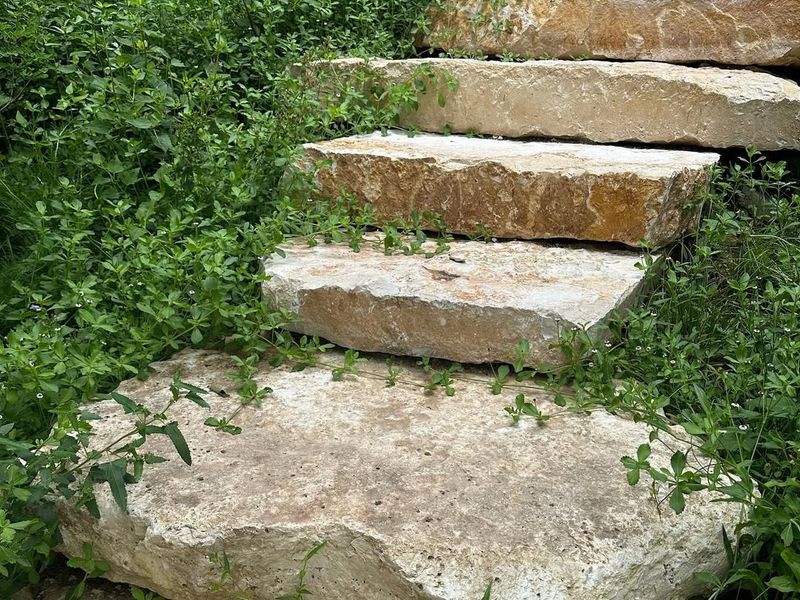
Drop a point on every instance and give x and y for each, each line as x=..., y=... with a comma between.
x=144, y=148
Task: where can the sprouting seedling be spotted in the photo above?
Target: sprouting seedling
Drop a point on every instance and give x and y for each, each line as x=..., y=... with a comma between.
x=522, y=407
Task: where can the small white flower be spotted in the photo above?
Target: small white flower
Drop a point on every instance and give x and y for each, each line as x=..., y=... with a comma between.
x=653, y=314
x=191, y=292
x=735, y=405
x=594, y=350
x=608, y=344
x=672, y=362
x=35, y=307
x=40, y=395
x=638, y=348
x=78, y=305
x=787, y=330
x=743, y=427
x=591, y=364
x=31, y=363
x=756, y=331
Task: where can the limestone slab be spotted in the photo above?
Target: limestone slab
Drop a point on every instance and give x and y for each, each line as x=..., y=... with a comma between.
x=473, y=304
x=742, y=32
x=525, y=190
x=598, y=101
x=419, y=496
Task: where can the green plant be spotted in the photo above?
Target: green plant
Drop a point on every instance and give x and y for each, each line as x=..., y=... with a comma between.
x=138, y=594
x=144, y=171
x=714, y=351
x=300, y=590
x=91, y=567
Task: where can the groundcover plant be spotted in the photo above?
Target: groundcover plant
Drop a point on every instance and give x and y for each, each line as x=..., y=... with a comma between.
x=144, y=148
x=141, y=148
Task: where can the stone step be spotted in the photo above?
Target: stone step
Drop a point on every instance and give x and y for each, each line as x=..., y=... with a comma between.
x=742, y=32
x=598, y=101
x=524, y=190
x=473, y=304
x=418, y=496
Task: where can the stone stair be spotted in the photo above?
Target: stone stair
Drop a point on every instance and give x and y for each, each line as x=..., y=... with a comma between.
x=424, y=494
x=418, y=496
x=597, y=101
x=473, y=304
x=515, y=189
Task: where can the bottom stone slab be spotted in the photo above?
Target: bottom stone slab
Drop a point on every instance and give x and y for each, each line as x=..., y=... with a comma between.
x=417, y=496
x=473, y=304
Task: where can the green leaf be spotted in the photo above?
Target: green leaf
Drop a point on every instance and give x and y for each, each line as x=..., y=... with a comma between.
x=197, y=337
x=787, y=535
x=197, y=399
x=633, y=476
x=783, y=584
x=77, y=592
x=114, y=474
x=141, y=122
x=643, y=452
x=487, y=595
x=174, y=434
x=792, y=559
x=676, y=501
x=128, y=405
x=678, y=462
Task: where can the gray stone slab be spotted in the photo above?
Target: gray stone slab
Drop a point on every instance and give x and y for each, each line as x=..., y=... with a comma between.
x=419, y=496
x=475, y=309
x=524, y=190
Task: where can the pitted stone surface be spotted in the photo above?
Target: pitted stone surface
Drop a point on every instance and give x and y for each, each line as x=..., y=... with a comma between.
x=419, y=496
x=599, y=101
x=524, y=190
x=474, y=304
x=742, y=32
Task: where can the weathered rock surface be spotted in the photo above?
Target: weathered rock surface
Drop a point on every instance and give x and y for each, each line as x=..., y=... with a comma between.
x=419, y=496
x=598, y=101
x=525, y=190
x=743, y=32
x=474, y=304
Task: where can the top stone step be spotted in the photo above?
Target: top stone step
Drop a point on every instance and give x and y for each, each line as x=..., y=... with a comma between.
x=599, y=101
x=739, y=32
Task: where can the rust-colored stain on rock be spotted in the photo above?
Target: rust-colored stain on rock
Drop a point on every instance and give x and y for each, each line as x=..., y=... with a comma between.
x=523, y=190
x=743, y=32
x=477, y=310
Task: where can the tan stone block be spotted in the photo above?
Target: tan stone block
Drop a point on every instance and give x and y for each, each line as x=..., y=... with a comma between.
x=742, y=32
x=474, y=304
x=526, y=190
x=599, y=101
x=419, y=496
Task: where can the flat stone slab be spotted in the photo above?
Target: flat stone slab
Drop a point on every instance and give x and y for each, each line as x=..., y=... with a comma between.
x=599, y=101
x=524, y=190
x=742, y=32
x=419, y=496
x=474, y=304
